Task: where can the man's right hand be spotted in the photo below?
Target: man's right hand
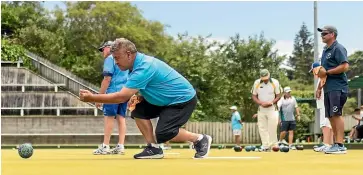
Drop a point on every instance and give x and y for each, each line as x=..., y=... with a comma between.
x=266, y=104
x=134, y=100
x=318, y=93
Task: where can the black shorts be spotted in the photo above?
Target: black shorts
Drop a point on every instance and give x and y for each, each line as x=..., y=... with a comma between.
x=171, y=117
x=359, y=130
x=288, y=126
x=334, y=102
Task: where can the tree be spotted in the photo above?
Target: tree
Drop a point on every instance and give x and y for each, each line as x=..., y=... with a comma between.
x=241, y=61
x=70, y=38
x=16, y=15
x=355, y=64
x=193, y=58
x=302, y=56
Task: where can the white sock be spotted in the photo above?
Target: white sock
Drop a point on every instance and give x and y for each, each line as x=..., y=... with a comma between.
x=121, y=146
x=200, y=138
x=155, y=145
x=104, y=145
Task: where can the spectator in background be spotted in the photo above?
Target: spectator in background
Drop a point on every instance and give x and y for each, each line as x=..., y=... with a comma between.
x=325, y=125
x=353, y=133
x=236, y=123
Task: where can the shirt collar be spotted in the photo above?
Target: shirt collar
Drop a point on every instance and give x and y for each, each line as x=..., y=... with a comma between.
x=334, y=43
x=138, y=59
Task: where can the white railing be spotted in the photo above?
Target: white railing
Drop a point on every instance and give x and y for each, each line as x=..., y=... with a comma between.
x=60, y=75
x=64, y=134
x=34, y=85
x=57, y=74
x=58, y=108
x=18, y=63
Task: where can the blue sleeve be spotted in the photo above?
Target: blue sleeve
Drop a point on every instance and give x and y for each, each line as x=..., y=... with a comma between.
x=341, y=55
x=108, y=67
x=140, y=77
x=238, y=117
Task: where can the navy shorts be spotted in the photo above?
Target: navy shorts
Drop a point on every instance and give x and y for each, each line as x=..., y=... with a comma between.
x=288, y=126
x=334, y=102
x=112, y=110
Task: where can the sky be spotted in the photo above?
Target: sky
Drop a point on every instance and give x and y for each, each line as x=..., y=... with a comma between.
x=277, y=20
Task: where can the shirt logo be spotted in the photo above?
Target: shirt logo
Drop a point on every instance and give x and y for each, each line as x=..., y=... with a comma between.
x=328, y=56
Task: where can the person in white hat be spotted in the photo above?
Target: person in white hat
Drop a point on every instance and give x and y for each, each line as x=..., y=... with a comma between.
x=266, y=92
x=113, y=81
x=325, y=125
x=288, y=108
x=236, y=123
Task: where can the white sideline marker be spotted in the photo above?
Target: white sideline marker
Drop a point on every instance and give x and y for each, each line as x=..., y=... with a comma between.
x=171, y=153
x=229, y=158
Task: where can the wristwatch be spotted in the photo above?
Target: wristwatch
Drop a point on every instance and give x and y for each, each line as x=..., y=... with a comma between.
x=327, y=73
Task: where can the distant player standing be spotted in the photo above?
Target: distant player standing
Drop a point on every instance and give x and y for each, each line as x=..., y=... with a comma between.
x=288, y=109
x=113, y=81
x=324, y=122
x=266, y=92
x=236, y=123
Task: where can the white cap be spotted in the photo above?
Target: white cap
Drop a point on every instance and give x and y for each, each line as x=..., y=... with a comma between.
x=287, y=89
x=233, y=107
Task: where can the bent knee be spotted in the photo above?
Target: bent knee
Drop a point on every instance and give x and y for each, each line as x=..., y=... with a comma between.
x=164, y=135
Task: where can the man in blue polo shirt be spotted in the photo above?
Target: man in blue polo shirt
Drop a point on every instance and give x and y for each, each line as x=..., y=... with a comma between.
x=113, y=81
x=165, y=94
x=236, y=123
x=335, y=62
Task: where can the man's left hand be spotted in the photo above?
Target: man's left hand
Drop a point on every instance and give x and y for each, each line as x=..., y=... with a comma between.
x=322, y=73
x=85, y=95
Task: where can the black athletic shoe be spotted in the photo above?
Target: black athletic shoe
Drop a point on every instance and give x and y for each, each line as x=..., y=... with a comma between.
x=203, y=146
x=150, y=153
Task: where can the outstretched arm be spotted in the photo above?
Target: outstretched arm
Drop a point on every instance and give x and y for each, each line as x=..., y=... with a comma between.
x=113, y=98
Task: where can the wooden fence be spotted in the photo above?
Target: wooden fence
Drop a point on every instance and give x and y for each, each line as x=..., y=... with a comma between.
x=221, y=132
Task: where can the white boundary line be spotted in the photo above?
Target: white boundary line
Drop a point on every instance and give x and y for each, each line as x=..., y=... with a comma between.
x=171, y=153
x=235, y=157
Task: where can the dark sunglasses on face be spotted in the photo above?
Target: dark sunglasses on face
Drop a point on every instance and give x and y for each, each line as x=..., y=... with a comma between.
x=325, y=33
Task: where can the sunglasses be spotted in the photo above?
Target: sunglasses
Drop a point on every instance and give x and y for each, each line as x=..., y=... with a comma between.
x=325, y=33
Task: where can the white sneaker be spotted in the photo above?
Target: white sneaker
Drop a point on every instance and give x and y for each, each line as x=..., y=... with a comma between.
x=322, y=148
x=292, y=147
x=282, y=142
x=119, y=149
x=102, y=150
x=167, y=148
x=164, y=147
x=263, y=149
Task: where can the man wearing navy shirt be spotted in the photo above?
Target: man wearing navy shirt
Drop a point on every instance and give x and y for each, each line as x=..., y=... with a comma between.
x=335, y=62
x=165, y=94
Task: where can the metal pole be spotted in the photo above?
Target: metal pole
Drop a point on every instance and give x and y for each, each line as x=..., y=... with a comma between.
x=359, y=97
x=316, y=58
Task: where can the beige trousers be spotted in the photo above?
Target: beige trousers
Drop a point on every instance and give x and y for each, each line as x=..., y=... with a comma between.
x=267, y=122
